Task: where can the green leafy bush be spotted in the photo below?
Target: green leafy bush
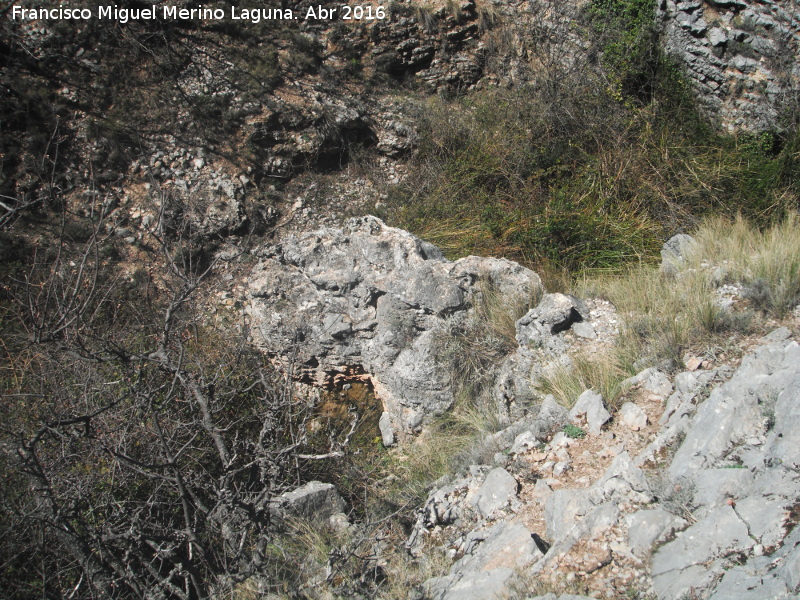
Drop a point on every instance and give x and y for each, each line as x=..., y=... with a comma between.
x=625, y=30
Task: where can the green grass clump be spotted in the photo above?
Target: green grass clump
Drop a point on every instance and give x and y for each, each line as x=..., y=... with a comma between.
x=497, y=175
x=573, y=431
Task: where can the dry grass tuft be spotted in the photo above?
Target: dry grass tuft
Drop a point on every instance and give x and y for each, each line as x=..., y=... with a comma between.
x=766, y=262
x=665, y=316
x=602, y=373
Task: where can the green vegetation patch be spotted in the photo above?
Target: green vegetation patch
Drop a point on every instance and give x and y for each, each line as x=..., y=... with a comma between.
x=626, y=33
x=574, y=431
x=589, y=169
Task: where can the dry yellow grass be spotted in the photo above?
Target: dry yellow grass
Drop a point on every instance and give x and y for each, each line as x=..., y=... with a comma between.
x=766, y=262
x=602, y=373
x=664, y=316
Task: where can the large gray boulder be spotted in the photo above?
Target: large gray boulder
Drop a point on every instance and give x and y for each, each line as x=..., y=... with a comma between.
x=368, y=301
x=315, y=501
x=739, y=412
x=694, y=560
x=490, y=559
x=775, y=576
x=563, y=511
x=633, y=416
x=650, y=526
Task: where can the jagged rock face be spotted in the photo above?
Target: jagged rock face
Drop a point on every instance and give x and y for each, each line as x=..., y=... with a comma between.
x=718, y=519
x=319, y=130
x=741, y=55
x=554, y=314
x=413, y=43
x=367, y=301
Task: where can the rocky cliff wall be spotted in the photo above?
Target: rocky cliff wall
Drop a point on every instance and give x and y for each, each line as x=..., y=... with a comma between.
x=741, y=56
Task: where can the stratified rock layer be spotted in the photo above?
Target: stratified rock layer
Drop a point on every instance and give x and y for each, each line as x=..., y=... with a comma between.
x=741, y=56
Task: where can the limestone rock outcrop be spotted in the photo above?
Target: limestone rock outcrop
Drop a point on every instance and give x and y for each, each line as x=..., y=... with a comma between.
x=718, y=519
x=367, y=302
x=740, y=457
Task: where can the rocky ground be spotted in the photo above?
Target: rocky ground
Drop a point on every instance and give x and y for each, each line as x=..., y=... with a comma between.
x=686, y=487
x=688, y=492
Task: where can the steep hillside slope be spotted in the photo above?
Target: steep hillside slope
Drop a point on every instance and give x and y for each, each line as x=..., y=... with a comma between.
x=641, y=448
x=327, y=307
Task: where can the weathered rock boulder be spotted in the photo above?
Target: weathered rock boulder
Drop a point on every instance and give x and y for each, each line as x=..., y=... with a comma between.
x=650, y=526
x=633, y=416
x=498, y=489
x=490, y=560
x=554, y=314
x=743, y=411
x=368, y=301
x=544, y=335
x=315, y=501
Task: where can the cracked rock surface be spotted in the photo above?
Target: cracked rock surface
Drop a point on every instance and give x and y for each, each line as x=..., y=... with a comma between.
x=717, y=519
x=366, y=301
